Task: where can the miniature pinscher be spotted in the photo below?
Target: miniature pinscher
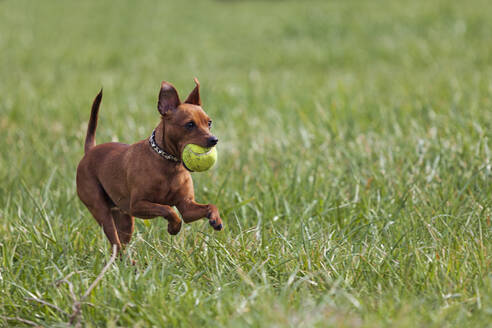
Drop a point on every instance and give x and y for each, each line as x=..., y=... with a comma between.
x=118, y=182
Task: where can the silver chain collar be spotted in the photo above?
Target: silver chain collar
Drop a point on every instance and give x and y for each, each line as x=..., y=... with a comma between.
x=160, y=151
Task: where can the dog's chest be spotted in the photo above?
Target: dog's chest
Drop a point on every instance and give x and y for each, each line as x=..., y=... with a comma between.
x=170, y=189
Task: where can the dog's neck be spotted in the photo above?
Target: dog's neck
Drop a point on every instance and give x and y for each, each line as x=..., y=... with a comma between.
x=163, y=141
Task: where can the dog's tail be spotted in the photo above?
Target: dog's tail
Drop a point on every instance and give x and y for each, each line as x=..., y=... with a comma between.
x=90, y=139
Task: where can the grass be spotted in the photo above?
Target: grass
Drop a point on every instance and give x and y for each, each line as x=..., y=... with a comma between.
x=354, y=172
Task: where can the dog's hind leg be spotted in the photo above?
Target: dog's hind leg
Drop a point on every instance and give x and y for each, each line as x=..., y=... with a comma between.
x=97, y=201
x=124, y=225
x=105, y=219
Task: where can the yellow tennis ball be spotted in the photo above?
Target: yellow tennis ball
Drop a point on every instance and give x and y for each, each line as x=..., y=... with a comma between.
x=199, y=159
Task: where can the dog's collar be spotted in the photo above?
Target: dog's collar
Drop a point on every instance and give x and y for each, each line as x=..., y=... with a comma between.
x=160, y=151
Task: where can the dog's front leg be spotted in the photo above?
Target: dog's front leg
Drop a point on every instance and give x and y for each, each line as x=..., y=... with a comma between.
x=148, y=210
x=192, y=211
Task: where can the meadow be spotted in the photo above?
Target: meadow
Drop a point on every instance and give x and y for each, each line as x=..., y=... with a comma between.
x=354, y=172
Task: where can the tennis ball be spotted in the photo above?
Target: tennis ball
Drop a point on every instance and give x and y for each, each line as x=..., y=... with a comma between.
x=199, y=159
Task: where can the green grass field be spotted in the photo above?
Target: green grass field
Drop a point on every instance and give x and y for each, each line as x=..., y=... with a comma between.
x=354, y=172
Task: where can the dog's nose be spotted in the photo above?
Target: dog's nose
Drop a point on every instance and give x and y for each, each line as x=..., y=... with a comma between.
x=212, y=141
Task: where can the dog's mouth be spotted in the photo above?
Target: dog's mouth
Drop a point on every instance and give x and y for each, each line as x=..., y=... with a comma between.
x=208, y=148
x=205, y=153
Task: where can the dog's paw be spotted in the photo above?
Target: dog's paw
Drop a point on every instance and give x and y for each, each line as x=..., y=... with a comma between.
x=173, y=228
x=216, y=223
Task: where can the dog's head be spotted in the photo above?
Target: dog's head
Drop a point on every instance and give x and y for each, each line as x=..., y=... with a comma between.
x=186, y=122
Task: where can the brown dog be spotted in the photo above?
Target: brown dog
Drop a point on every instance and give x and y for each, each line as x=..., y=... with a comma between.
x=117, y=181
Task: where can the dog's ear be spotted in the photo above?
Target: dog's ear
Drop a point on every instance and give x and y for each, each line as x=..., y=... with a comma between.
x=168, y=98
x=194, y=96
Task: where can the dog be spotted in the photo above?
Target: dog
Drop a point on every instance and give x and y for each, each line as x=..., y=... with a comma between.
x=118, y=182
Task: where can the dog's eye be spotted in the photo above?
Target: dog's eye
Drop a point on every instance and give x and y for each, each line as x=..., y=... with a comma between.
x=190, y=125
x=209, y=124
